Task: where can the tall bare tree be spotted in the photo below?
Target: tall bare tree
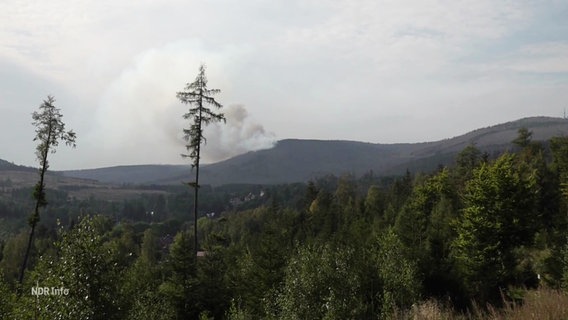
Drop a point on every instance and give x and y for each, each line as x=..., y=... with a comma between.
x=198, y=97
x=50, y=130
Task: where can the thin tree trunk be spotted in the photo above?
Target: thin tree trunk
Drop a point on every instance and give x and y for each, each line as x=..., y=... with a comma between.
x=25, y=262
x=195, y=210
x=39, y=200
x=195, y=204
x=34, y=219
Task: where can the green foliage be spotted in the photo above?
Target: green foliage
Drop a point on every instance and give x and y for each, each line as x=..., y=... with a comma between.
x=180, y=286
x=125, y=248
x=150, y=305
x=237, y=313
x=320, y=284
x=467, y=160
x=140, y=284
x=50, y=129
x=261, y=268
x=198, y=96
x=411, y=226
x=249, y=285
x=375, y=202
x=524, y=137
x=559, y=148
x=7, y=298
x=150, y=250
x=438, y=268
x=335, y=248
x=564, y=256
x=413, y=221
x=497, y=217
x=324, y=215
x=400, y=191
x=83, y=266
x=212, y=287
x=346, y=190
x=401, y=285
x=13, y=254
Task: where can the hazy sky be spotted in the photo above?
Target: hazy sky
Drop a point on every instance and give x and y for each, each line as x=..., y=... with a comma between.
x=368, y=70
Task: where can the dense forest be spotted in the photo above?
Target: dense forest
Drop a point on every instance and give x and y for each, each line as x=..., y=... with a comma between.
x=484, y=237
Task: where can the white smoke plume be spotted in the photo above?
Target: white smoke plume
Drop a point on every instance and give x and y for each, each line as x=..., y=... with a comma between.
x=238, y=135
x=140, y=119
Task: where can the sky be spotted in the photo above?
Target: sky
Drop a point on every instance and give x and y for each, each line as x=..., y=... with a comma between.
x=381, y=71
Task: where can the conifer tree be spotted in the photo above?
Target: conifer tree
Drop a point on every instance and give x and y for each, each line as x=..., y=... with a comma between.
x=198, y=96
x=499, y=205
x=524, y=137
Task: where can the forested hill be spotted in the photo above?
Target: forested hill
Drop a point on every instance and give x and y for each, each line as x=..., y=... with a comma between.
x=5, y=165
x=295, y=160
x=300, y=160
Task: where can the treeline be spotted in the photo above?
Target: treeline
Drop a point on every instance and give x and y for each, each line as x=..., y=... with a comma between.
x=481, y=232
x=139, y=204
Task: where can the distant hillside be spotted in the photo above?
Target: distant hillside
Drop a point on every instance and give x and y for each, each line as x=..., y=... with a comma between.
x=295, y=160
x=141, y=174
x=5, y=165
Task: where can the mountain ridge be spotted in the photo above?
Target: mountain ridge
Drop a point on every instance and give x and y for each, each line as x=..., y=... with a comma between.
x=298, y=160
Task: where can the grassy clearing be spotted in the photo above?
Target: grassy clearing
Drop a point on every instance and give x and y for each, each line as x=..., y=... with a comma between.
x=539, y=304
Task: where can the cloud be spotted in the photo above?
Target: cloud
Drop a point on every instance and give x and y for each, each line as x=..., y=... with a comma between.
x=548, y=57
x=22, y=91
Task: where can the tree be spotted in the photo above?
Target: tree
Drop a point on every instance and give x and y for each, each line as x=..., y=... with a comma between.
x=413, y=220
x=141, y=283
x=213, y=290
x=13, y=253
x=374, y=201
x=559, y=149
x=50, y=130
x=399, y=276
x=180, y=285
x=198, y=96
x=498, y=216
x=261, y=269
x=6, y=300
x=322, y=282
x=467, y=160
x=85, y=268
x=524, y=137
x=346, y=190
x=324, y=215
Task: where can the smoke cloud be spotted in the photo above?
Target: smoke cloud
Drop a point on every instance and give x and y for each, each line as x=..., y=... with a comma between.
x=240, y=134
x=140, y=118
